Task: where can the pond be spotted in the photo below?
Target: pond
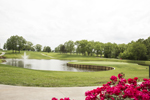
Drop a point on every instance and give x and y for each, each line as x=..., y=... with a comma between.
x=53, y=65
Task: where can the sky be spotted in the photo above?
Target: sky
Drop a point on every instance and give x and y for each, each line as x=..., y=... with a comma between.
x=53, y=22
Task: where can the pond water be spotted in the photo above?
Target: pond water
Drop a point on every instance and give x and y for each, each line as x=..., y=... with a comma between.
x=53, y=65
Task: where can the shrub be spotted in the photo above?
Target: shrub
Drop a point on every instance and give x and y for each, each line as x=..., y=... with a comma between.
x=118, y=89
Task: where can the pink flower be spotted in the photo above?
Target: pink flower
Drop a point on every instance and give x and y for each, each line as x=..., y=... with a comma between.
x=66, y=98
x=102, y=98
x=144, y=79
x=110, y=90
x=138, y=87
x=88, y=98
x=87, y=93
x=54, y=98
x=109, y=83
x=132, y=81
x=120, y=75
x=113, y=78
x=116, y=91
x=122, y=81
x=145, y=97
x=136, y=78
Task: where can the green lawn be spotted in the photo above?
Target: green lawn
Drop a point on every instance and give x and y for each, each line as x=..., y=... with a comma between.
x=31, y=54
x=10, y=54
x=27, y=77
x=92, y=58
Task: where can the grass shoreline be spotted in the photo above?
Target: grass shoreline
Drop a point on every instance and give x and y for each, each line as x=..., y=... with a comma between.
x=11, y=75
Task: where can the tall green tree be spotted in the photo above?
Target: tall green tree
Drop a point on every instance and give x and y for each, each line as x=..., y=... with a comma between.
x=78, y=47
x=5, y=46
x=139, y=51
x=108, y=50
x=147, y=44
x=62, y=48
x=29, y=45
x=69, y=46
x=46, y=49
x=135, y=51
x=140, y=40
x=57, y=49
x=38, y=47
x=99, y=48
x=15, y=43
x=21, y=42
x=83, y=46
x=90, y=47
x=122, y=47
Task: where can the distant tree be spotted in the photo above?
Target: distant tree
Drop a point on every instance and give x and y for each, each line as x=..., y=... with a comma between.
x=90, y=47
x=78, y=47
x=114, y=50
x=140, y=40
x=33, y=48
x=139, y=51
x=83, y=45
x=57, y=49
x=38, y=47
x=11, y=43
x=135, y=51
x=21, y=43
x=108, y=50
x=15, y=43
x=62, y=48
x=46, y=49
x=69, y=46
x=122, y=47
x=99, y=47
x=28, y=45
x=5, y=46
x=147, y=44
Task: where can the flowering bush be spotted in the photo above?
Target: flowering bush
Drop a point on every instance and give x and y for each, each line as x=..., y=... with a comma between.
x=60, y=99
x=118, y=89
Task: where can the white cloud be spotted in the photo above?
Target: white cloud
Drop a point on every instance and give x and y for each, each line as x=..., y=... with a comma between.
x=52, y=22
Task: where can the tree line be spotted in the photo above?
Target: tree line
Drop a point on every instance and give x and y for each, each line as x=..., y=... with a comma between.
x=17, y=43
x=135, y=50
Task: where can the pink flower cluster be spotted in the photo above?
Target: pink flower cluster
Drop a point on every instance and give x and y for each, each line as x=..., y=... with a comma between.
x=66, y=98
x=118, y=89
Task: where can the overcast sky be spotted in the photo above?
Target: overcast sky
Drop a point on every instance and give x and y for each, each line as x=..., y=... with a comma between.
x=53, y=22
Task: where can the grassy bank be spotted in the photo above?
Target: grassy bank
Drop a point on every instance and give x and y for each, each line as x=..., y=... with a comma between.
x=10, y=54
x=27, y=77
x=92, y=58
x=31, y=54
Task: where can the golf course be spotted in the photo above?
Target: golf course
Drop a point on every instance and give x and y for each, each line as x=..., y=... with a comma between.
x=12, y=75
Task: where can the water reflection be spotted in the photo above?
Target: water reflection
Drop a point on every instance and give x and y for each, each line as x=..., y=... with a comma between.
x=54, y=65
x=17, y=62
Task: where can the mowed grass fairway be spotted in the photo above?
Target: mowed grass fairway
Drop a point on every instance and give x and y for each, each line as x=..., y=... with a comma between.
x=27, y=77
